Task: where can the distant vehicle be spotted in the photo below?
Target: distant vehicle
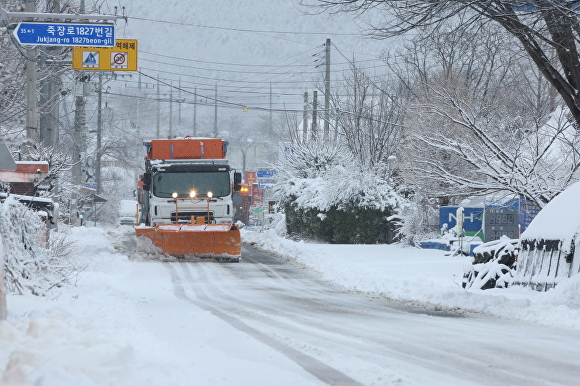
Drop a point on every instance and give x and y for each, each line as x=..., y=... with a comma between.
x=128, y=210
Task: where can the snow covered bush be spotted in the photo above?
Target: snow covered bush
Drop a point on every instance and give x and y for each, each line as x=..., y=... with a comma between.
x=32, y=264
x=493, y=264
x=328, y=196
x=419, y=220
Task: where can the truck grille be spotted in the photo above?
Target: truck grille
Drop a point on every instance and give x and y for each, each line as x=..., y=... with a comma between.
x=185, y=217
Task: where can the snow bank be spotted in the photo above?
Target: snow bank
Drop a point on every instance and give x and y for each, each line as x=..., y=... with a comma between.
x=124, y=325
x=82, y=338
x=419, y=276
x=558, y=220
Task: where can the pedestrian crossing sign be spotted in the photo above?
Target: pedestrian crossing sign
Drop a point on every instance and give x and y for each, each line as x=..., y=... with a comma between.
x=121, y=57
x=90, y=59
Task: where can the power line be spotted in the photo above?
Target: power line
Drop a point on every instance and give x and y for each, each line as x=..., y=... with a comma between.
x=229, y=64
x=241, y=65
x=225, y=103
x=246, y=29
x=219, y=79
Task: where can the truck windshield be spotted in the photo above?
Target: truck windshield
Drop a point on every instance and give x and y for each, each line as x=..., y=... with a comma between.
x=165, y=184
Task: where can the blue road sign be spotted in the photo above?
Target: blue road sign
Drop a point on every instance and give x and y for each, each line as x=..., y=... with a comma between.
x=266, y=173
x=65, y=34
x=266, y=184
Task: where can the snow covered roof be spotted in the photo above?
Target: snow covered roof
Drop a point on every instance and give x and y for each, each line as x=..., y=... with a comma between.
x=559, y=220
x=32, y=162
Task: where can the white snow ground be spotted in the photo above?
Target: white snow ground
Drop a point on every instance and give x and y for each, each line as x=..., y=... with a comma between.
x=98, y=332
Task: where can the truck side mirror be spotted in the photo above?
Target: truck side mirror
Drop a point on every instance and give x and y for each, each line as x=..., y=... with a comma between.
x=237, y=181
x=146, y=181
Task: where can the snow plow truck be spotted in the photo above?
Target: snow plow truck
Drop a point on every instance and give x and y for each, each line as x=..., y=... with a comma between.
x=185, y=199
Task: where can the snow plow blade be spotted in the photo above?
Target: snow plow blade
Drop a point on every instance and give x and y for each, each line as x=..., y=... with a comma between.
x=220, y=241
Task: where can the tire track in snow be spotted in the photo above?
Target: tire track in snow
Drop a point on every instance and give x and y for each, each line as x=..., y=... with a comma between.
x=318, y=369
x=375, y=351
x=377, y=346
x=429, y=350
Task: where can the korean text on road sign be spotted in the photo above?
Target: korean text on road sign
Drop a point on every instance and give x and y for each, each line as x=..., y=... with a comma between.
x=65, y=34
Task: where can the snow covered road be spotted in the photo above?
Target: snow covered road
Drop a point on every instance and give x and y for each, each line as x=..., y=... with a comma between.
x=349, y=338
x=268, y=321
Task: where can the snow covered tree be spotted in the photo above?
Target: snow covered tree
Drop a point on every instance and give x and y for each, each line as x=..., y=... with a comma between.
x=458, y=149
x=480, y=120
x=342, y=190
x=536, y=24
x=473, y=126
x=329, y=196
x=12, y=84
x=32, y=264
x=14, y=59
x=419, y=220
x=370, y=119
x=250, y=147
x=59, y=163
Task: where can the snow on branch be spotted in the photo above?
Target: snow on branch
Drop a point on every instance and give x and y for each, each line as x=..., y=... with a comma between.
x=31, y=263
x=319, y=175
x=466, y=147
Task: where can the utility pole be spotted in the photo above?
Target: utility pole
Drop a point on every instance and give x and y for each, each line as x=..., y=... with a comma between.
x=336, y=124
x=215, y=127
x=49, y=106
x=171, y=110
x=179, y=106
x=271, y=120
x=138, y=131
x=31, y=117
x=99, y=135
x=195, y=111
x=314, y=115
x=45, y=97
x=327, y=92
x=305, y=118
x=49, y=99
x=78, y=138
x=79, y=126
x=54, y=104
x=157, y=131
x=138, y=117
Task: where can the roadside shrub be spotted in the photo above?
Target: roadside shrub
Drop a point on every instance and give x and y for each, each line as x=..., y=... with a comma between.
x=347, y=225
x=32, y=264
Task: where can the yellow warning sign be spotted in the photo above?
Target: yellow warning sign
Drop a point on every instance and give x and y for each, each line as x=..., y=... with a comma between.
x=121, y=57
